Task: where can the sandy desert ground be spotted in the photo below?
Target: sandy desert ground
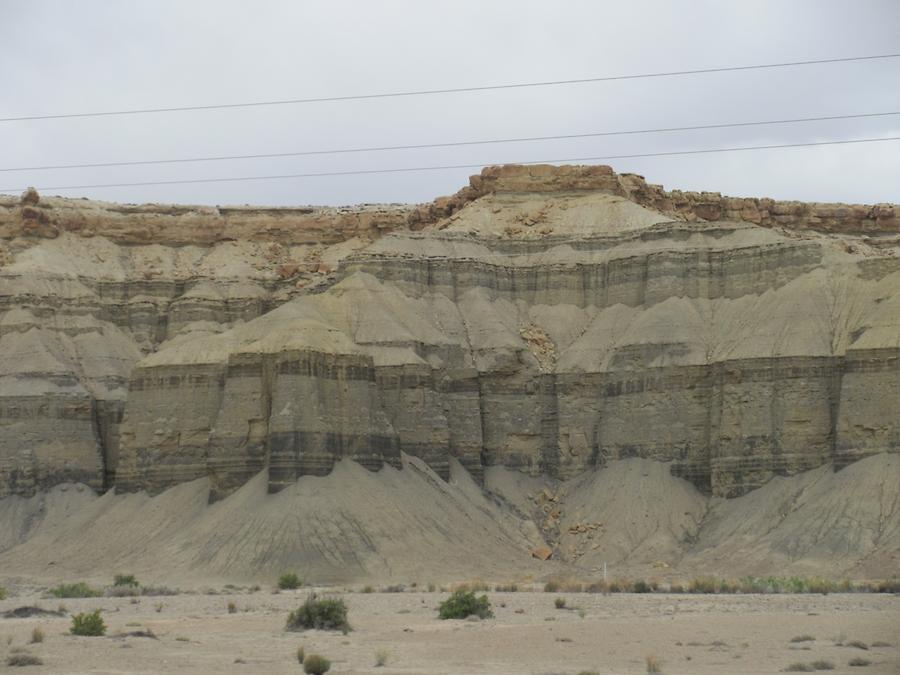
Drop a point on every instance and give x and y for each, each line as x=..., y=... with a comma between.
x=689, y=634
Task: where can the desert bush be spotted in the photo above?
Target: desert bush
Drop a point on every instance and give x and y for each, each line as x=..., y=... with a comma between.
x=88, y=623
x=367, y=589
x=859, y=644
x=37, y=635
x=23, y=659
x=462, y=604
x=232, y=608
x=123, y=591
x=889, y=586
x=477, y=586
x=76, y=590
x=316, y=665
x=728, y=586
x=703, y=585
x=809, y=667
x=159, y=590
x=2, y=593
x=301, y=654
x=125, y=580
x=551, y=586
x=641, y=586
x=507, y=588
x=802, y=638
x=859, y=662
x=289, y=582
x=597, y=587
x=394, y=588
x=881, y=643
x=320, y=614
x=654, y=665
x=560, y=603
x=381, y=658
x=676, y=588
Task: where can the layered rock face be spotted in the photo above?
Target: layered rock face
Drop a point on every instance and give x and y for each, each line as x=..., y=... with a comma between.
x=544, y=319
x=87, y=289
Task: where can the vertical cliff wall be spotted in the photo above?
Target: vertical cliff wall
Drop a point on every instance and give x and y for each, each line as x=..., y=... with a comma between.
x=546, y=319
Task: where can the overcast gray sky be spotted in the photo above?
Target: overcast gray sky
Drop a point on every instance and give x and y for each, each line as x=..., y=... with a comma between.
x=59, y=56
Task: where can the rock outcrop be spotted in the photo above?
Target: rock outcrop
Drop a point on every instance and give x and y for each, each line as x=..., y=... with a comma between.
x=546, y=319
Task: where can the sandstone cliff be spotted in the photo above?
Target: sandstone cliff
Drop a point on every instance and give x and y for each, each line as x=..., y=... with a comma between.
x=544, y=319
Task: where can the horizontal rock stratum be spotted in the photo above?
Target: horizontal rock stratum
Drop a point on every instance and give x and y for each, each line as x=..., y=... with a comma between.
x=543, y=319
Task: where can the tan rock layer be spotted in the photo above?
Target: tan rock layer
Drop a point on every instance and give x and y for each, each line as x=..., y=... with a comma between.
x=176, y=225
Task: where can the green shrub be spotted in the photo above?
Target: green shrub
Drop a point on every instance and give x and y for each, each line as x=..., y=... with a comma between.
x=316, y=665
x=232, y=608
x=125, y=580
x=2, y=593
x=301, y=654
x=802, y=638
x=463, y=604
x=551, y=586
x=641, y=586
x=800, y=668
x=289, y=582
x=76, y=590
x=381, y=658
x=654, y=665
x=560, y=603
x=859, y=662
x=90, y=623
x=823, y=665
x=321, y=614
x=859, y=644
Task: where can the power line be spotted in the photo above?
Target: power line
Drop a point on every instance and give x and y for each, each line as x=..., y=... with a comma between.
x=360, y=172
x=454, y=90
x=448, y=144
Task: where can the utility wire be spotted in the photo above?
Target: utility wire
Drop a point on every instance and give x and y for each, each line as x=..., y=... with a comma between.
x=455, y=90
x=446, y=145
x=360, y=172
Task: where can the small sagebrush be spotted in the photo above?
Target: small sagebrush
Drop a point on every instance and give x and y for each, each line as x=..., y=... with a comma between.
x=37, y=635
x=463, y=604
x=88, y=623
x=802, y=638
x=320, y=614
x=23, y=660
x=859, y=662
x=316, y=665
x=654, y=665
x=560, y=603
x=381, y=658
x=2, y=593
x=289, y=582
x=125, y=580
x=76, y=590
x=232, y=608
x=641, y=586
